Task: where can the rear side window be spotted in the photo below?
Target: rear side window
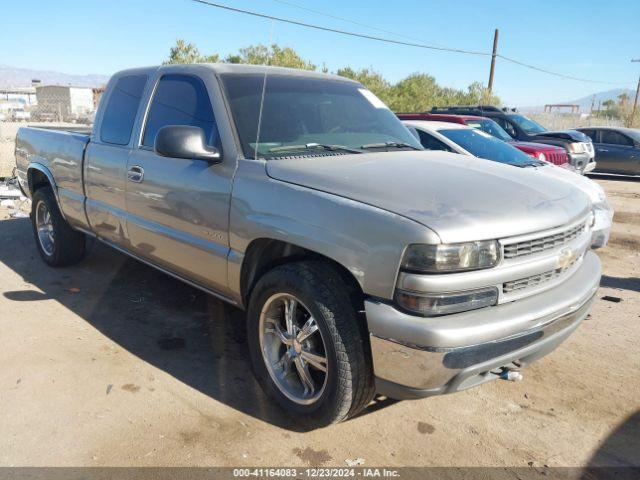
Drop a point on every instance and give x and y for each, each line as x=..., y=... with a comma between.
x=615, y=138
x=180, y=100
x=121, y=110
x=431, y=143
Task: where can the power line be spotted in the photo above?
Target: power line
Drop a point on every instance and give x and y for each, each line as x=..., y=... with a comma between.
x=341, y=32
x=392, y=41
x=561, y=75
x=353, y=22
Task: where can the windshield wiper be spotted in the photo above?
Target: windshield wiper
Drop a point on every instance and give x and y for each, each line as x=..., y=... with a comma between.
x=389, y=145
x=312, y=146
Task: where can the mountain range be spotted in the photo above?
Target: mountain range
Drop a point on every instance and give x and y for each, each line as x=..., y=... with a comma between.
x=21, y=77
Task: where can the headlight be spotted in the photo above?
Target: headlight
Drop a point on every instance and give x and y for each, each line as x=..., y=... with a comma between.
x=576, y=147
x=433, y=304
x=454, y=257
x=542, y=157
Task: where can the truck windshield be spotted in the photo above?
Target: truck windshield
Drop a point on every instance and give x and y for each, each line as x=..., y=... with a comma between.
x=300, y=114
x=526, y=124
x=485, y=146
x=490, y=127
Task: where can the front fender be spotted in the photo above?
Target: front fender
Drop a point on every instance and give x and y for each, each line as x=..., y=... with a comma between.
x=366, y=240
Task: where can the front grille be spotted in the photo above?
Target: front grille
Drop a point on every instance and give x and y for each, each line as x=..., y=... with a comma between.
x=541, y=244
x=558, y=158
x=535, y=280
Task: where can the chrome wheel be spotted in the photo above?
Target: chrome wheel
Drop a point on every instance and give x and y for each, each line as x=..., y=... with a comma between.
x=293, y=348
x=44, y=225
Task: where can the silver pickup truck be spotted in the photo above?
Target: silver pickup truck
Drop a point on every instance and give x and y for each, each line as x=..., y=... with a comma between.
x=365, y=264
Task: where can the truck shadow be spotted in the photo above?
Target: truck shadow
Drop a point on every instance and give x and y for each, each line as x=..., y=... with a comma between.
x=617, y=456
x=631, y=283
x=192, y=336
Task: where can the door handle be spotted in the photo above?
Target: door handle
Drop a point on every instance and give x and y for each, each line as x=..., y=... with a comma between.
x=135, y=174
x=602, y=149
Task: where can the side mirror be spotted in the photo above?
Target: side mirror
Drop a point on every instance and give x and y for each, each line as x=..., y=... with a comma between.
x=184, y=141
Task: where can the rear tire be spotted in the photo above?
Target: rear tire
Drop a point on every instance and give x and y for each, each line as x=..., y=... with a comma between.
x=346, y=385
x=58, y=244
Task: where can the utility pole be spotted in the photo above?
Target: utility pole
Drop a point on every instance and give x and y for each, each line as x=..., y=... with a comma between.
x=635, y=102
x=493, y=60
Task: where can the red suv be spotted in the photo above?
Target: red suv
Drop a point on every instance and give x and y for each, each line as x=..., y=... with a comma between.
x=547, y=153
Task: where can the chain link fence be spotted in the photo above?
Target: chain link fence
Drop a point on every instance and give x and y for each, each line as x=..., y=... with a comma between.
x=565, y=121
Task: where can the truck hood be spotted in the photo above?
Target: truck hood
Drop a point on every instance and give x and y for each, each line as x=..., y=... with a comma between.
x=590, y=188
x=531, y=147
x=460, y=197
x=572, y=135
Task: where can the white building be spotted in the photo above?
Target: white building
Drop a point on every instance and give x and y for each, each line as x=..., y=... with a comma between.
x=64, y=103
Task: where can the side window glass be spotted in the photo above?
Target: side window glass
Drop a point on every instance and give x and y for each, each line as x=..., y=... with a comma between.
x=180, y=100
x=591, y=134
x=615, y=138
x=120, y=113
x=506, y=125
x=431, y=143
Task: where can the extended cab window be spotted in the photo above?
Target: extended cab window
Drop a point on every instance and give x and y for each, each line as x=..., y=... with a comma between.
x=180, y=100
x=120, y=113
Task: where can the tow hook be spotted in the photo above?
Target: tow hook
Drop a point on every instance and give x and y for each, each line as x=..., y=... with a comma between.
x=511, y=375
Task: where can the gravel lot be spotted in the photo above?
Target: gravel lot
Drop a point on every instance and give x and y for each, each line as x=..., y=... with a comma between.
x=113, y=363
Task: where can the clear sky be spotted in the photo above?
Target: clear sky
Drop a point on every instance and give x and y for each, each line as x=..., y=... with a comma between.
x=585, y=38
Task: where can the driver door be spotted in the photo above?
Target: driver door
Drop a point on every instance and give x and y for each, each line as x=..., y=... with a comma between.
x=178, y=209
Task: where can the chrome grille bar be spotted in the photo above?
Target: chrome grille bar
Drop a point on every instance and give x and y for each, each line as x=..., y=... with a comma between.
x=541, y=244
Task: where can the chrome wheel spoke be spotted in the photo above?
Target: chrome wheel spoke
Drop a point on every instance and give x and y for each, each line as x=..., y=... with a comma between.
x=284, y=364
x=277, y=330
x=309, y=328
x=305, y=376
x=290, y=307
x=315, y=360
x=293, y=348
x=44, y=227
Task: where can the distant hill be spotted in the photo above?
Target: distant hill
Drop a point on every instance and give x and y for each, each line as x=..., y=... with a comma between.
x=21, y=77
x=585, y=102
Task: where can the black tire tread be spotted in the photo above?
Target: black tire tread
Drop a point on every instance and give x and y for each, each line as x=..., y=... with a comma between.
x=355, y=385
x=70, y=244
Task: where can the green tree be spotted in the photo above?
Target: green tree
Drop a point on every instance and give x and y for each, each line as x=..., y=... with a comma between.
x=371, y=79
x=183, y=52
x=415, y=93
x=274, y=56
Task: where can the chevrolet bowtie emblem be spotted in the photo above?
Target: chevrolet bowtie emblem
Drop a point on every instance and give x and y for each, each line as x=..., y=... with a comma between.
x=567, y=257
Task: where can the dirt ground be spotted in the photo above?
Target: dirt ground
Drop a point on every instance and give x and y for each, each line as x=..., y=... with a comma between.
x=112, y=363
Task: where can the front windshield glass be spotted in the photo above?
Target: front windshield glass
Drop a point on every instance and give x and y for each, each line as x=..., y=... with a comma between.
x=301, y=112
x=485, y=146
x=490, y=127
x=526, y=124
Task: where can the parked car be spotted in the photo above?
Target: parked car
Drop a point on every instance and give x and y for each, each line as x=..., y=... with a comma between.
x=468, y=141
x=617, y=149
x=20, y=115
x=520, y=127
x=364, y=263
x=3, y=117
x=540, y=151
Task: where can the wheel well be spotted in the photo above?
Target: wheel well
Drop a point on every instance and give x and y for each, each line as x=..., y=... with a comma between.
x=37, y=180
x=264, y=254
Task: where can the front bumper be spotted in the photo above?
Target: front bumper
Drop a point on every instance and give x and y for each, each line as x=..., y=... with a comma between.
x=579, y=161
x=417, y=357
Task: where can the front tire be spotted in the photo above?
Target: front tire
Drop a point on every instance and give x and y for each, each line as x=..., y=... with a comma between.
x=58, y=244
x=308, y=350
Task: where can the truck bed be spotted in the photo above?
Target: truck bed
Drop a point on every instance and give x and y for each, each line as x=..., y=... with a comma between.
x=61, y=154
